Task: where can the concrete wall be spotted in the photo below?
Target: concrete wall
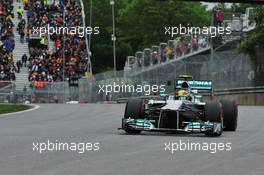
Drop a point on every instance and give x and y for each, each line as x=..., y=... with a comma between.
x=256, y=98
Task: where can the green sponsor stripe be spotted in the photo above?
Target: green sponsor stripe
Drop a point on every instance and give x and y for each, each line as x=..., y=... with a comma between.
x=201, y=84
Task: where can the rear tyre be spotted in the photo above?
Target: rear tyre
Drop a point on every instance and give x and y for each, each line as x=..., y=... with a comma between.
x=213, y=114
x=230, y=114
x=135, y=109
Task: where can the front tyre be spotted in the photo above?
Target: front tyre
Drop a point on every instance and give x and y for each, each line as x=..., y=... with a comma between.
x=230, y=115
x=132, y=131
x=135, y=109
x=213, y=114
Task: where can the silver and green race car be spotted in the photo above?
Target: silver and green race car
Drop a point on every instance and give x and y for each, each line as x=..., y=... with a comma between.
x=183, y=112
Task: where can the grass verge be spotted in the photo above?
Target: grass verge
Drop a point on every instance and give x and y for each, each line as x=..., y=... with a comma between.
x=8, y=108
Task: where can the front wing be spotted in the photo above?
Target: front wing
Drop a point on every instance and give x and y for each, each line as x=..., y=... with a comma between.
x=191, y=127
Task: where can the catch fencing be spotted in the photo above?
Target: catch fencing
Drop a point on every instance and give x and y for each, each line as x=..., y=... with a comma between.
x=226, y=69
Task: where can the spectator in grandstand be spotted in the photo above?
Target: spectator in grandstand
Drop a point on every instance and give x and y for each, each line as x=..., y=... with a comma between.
x=20, y=12
x=139, y=62
x=182, y=46
x=195, y=43
x=2, y=74
x=58, y=44
x=12, y=74
x=9, y=45
x=155, y=57
x=163, y=54
x=46, y=2
x=202, y=42
x=19, y=65
x=169, y=52
x=176, y=43
x=25, y=2
x=215, y=16
x=21, y=29
x=29, y=13
x=220, y=17
x=24, y=60
x=43, y=43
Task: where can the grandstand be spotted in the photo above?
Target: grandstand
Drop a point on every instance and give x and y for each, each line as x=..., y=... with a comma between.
x=34, y=60
x=7, y=66
x=57, y=57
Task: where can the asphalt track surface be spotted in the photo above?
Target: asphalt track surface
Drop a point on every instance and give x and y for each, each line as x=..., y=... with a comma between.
x=122, y=154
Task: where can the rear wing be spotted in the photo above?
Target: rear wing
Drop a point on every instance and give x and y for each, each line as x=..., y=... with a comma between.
x=195, y=84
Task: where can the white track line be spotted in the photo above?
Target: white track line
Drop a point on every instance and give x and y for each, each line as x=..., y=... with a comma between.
x=28, y=110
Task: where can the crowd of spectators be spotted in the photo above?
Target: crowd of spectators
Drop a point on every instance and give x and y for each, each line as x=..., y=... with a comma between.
x=172, y=50
x=7, y=67
x=184, y=45
x=68, y=59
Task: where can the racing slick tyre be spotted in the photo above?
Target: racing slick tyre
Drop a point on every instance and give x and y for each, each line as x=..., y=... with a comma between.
x=134, y=110
x=132, y=131
x=230, y=115
x=213, y=114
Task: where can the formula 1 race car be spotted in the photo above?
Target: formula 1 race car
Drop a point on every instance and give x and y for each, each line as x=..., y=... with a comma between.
x=182, y=112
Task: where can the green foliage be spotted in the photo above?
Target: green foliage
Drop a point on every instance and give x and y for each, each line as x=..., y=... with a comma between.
x=139, y=24
x=252, y=43
x=256, y=40
x=142, y=22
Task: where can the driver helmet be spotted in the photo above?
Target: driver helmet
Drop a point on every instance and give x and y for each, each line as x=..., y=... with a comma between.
x=182, y=93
